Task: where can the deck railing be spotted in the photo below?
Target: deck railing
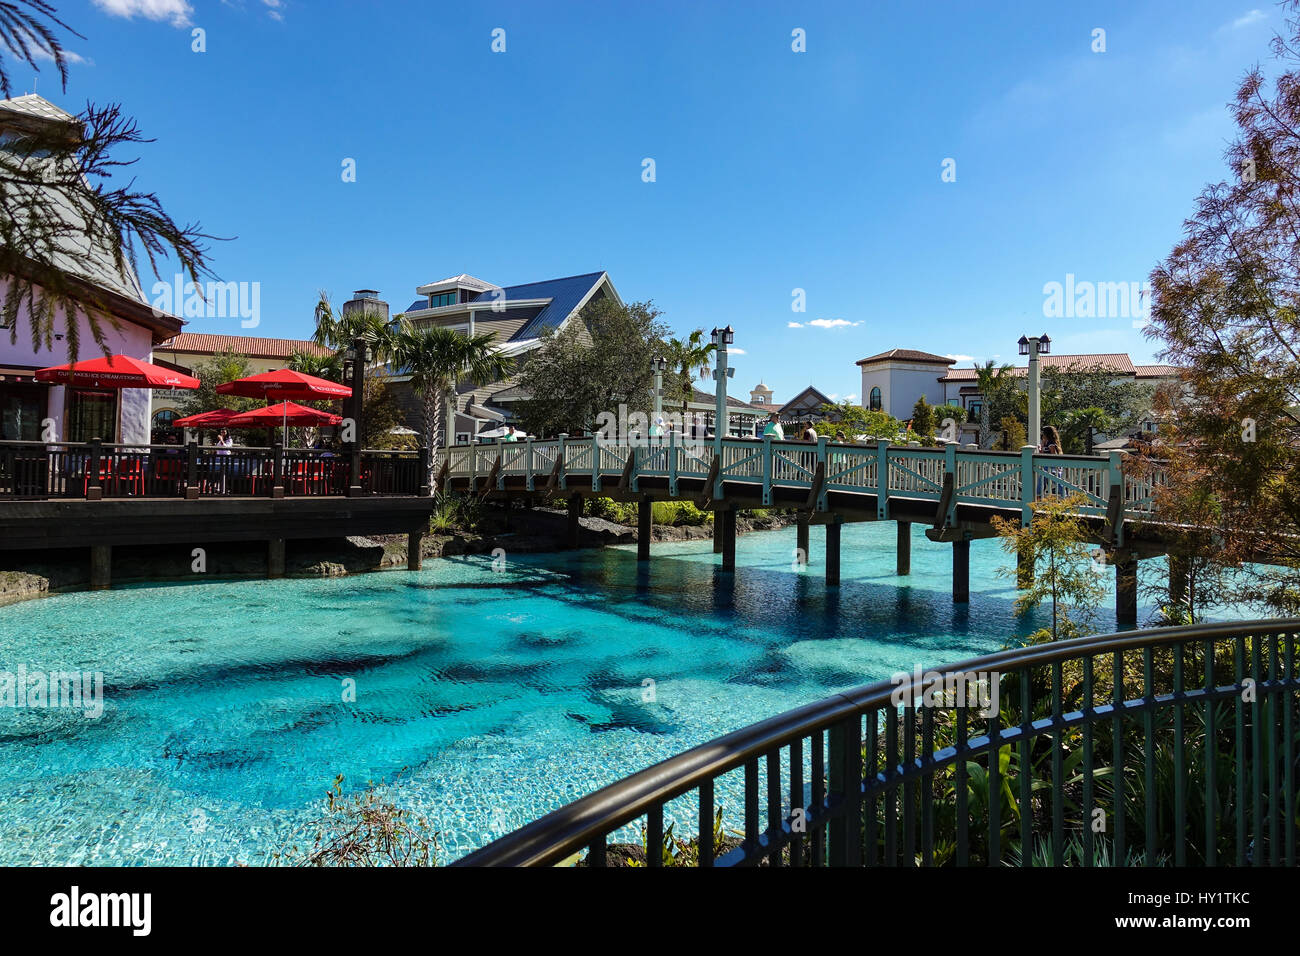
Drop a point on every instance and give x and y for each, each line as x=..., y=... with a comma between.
x=1007, y=480
x=93, y=470
x=1189, y=757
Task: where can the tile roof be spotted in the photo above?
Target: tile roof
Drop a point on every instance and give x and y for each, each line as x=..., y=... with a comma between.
x=253, y=347
x=1117, y=362
x=1157, y=371
x=33, y=105
x=907, y=355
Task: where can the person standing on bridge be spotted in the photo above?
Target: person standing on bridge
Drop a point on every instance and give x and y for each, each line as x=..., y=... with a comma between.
x=773, y=428
x=1049, y=443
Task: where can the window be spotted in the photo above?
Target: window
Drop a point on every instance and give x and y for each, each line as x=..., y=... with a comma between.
x=875, y=399
x=164, y=418
x=91, y=413
x=444, y=298
x=21, y=409
x=974, y=410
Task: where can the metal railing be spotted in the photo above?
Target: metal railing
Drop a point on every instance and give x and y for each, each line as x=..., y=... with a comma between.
x=1189, y=757
x=95, y=470
x=993, y=479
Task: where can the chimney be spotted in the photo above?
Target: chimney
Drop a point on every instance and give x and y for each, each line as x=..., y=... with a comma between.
x=366, y=300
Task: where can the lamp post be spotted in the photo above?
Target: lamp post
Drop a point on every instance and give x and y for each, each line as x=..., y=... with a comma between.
x=660, y=366
x=355, y=360
x=1034, y=346
x=721, y=338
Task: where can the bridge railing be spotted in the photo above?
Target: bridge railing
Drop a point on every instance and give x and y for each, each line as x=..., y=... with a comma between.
x=987, y=478
x=1172, y=746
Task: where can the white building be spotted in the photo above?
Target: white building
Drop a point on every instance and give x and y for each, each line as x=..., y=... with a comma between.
x=893, y=381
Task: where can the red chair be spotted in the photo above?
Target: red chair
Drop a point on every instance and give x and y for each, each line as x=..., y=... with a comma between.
x=130, y=471
x=305, y=474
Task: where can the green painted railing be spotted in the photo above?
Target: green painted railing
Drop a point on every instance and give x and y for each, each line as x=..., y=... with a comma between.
x=1008, y=480
x=1189, y=758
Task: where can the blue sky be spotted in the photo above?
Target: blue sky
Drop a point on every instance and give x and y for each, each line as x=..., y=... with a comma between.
x=775, y=170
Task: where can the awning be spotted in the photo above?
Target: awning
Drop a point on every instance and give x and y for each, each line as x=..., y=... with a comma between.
x=484, y=414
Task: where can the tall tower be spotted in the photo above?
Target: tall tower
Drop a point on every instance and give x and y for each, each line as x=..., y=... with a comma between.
x=760, y=394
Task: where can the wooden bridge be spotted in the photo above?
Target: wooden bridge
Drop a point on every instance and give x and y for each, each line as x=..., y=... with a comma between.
x=955, y=490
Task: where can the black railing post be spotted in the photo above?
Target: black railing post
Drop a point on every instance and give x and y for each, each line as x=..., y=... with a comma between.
x=277, y=471
x=93, y=491
x=423, y=482
x=192, y=471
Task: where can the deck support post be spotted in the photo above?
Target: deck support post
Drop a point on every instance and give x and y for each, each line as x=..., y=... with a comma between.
x=729, y=539
x=414, y=560
x=275, y=558
x=801, y=540
x=904, y=533
x=101, y=567
x=1177, y=578
x=833, y=551
x=1126, y=591
x=644, y=520
x=961, y=571
x=575, y=519
x=718, y=521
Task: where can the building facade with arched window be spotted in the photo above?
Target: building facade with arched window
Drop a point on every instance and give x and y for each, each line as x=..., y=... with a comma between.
x=892, y=381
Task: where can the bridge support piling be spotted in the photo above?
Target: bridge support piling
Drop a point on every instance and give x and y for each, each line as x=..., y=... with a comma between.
x=644, y=525
x=904, y=548
x=414, y=560
x=575, y=517
x=833, y=553
x=275, y=558
x=961, y=571
x=101, y=567
x=729, y=539
x=1126, y=590
x=719, y=520
x=1177, y=578
x=801, y=539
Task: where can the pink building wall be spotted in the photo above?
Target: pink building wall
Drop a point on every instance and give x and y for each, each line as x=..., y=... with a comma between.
x=135, y=404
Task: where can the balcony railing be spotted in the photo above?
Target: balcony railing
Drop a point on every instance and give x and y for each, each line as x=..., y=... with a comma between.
x=1161, y=747
x=93, y=470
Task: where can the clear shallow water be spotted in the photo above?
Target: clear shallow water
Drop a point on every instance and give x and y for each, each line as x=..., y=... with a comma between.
x=503, y=694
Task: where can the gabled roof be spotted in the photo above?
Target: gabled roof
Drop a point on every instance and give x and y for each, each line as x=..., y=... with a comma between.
x=95, y=264
x=820, y=397
x=252, y=346
x=708, y=398
x=907, y=355
x=564, y=296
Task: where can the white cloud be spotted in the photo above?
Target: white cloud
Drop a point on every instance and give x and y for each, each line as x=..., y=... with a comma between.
x=794, y=325
x=851, y=397
x=176, y=11
x=40, y=54
x=959, y=358
x=276, y=6
x=1254, y=16
x=731, y=351
x=833, y=323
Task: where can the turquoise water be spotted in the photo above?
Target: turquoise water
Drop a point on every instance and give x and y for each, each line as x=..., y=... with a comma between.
x=483, y=698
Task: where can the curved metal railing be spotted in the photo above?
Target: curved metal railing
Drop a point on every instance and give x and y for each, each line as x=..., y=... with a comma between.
x=1188, y=758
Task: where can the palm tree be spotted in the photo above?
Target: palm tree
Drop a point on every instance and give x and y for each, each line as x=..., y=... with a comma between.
x=990, y=378
x=1086, y=422
x=438, y=359
x=689, y=360
x=337, y=331
x=322, y=365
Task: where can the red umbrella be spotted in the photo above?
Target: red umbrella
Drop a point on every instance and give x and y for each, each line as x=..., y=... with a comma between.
x=285, y=414
x=213, y=419
x=116, y=371
x=285, y=383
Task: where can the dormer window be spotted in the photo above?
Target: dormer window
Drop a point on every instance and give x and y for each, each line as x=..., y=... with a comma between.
x=444, y=298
